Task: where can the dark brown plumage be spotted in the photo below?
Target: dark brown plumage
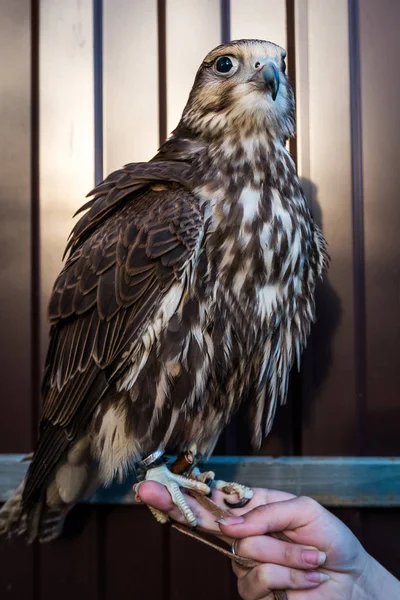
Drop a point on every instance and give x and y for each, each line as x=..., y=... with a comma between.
x=188, y=290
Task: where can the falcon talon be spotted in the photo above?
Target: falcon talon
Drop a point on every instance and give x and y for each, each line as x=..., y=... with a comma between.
x=159, y=516
x=244, y=493
x=240, y=504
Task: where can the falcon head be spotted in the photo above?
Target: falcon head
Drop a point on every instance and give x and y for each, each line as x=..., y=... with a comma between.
x=242, y=87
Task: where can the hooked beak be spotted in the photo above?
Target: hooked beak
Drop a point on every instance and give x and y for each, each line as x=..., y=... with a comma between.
x=267, y=76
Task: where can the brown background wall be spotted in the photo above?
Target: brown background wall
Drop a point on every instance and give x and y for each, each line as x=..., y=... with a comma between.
x=59, y=133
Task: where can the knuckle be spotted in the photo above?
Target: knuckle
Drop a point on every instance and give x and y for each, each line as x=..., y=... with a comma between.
x=261, y=577
x=243, y=589
x=259, y=511
x=243, y=547
x=293, y=576
x=308, y=504
x=288, y=553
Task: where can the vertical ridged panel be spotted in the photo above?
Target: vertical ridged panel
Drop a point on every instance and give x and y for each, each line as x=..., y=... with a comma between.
x=193, y=29
x=70, y=564
x=134, y=554
x=380, y=93
x=15, y=226
x=259, y=19
x=323, y=92
x=17, y=560
x=189, y=561
x=130, y=82
x=66, y=128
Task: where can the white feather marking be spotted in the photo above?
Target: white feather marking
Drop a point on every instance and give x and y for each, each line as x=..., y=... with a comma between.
x=197, y=333
x=112, y=447
x=161, y=393
x=250, y=201
x=265, y=234
x=132, y=374
x=295, y=248
x=267, y=297
x=280, y=212
x=173, y=420
x=248, y=146
x=239, y=280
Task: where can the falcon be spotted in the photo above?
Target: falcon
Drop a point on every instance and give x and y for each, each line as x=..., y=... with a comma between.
x=188, y=291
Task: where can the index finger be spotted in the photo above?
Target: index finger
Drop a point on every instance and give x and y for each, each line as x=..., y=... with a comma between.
x=275, y=517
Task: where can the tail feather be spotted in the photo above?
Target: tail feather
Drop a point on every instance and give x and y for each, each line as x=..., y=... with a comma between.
x=51, y=524
x=37, y=522
x=11, y=513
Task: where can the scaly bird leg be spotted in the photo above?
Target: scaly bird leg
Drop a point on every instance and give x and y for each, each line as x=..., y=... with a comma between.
x=185, y=463
x=173, y=483
x=184, y=474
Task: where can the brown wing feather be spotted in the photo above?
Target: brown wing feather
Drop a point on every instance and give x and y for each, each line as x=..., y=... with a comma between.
x=101, y=303
x=119, y=186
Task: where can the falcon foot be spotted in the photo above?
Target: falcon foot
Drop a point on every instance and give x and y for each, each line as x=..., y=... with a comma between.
x=244, y=493
x=185, y=463
x=173, y=483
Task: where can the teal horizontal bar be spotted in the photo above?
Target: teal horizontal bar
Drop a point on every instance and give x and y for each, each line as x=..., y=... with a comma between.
x=334, y=482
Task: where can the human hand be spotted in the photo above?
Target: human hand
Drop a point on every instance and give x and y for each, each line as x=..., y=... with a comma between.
x=291, y=566
x=342, y=560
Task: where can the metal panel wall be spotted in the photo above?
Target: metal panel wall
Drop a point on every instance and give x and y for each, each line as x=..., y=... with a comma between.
x=17, y=571
x=66, y=128
x=379, y=91
x=130, y=79
x=186, y=48
x=15, y=226
x=259, y=19
x=324, y=152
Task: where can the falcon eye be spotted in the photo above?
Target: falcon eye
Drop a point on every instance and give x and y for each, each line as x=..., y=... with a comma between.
x=224, y=64
x=283, y=66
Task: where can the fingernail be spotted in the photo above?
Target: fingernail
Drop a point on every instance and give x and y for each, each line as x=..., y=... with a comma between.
x=316, y=577
x=230, y=521
x=313, y=557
